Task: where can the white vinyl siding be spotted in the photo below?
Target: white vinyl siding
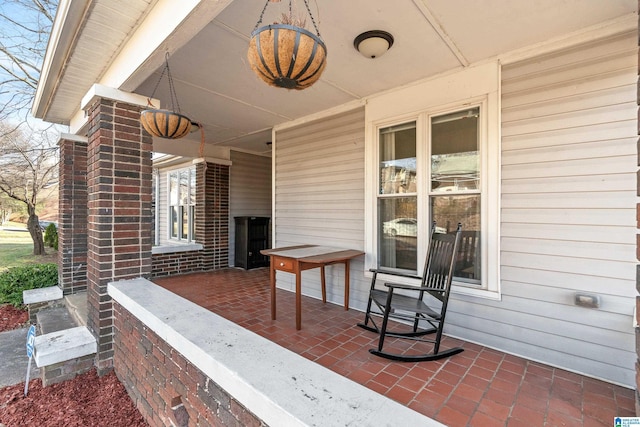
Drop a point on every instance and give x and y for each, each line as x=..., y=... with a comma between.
x=566, y=196
x=319, y=196
x=249, y=190
x=162, y=206
x=568, y=213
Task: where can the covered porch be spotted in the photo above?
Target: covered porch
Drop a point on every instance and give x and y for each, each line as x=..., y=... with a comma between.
x=479, y=387
x=551, y=98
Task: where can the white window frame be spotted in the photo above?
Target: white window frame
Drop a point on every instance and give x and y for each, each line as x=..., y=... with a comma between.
x=478, y=86
x=190, y=237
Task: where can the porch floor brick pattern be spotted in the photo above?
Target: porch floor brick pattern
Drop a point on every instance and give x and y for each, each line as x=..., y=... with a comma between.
x=478, y=387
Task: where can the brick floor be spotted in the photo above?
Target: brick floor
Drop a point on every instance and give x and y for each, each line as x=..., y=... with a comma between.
x=478, y=387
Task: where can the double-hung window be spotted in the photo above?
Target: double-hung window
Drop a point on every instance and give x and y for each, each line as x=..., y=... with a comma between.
x=429, y=172
x=433, y=155
x=182, y=201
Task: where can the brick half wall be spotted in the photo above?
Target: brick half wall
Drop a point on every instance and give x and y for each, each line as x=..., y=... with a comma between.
x=177, y=359
x=168, y=264
x=165, y=387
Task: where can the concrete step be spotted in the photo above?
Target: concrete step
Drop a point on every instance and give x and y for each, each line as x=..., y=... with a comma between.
x=54, y=319
x=77, y=306
x=39, y=295
x=61, y=338
x=64, y=345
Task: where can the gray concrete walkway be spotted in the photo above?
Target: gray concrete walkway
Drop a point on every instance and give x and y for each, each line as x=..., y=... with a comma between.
x=13, y=358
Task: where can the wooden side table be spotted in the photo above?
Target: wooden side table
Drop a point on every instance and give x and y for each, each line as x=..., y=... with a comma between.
x=296, y=259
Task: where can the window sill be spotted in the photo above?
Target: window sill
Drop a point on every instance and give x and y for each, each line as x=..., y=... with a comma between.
x=475, y=292
x=178, y=247
x=457, y=288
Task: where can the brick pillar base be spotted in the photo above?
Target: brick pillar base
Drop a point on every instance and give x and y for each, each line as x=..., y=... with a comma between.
x=119, y=216
x=72, y=222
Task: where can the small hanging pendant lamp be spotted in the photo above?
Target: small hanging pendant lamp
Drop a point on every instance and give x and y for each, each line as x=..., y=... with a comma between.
x=168, y=124
x=285, y=54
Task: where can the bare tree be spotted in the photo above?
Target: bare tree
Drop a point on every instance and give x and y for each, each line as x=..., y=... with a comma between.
x=28, y=164
x=8, y=207
x=28, y=159
x=25, y=26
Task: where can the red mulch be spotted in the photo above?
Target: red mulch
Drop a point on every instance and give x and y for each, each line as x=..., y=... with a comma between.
x=12, y=318
x=86, y=400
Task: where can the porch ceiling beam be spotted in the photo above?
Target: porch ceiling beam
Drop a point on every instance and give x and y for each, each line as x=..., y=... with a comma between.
x=166, y=28
x=169, y=26
x=433, y=21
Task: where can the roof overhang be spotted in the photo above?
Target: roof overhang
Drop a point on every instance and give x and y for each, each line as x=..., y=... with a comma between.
x=122, y=44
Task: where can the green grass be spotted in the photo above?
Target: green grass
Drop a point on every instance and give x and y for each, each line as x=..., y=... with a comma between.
x=19, y=268
x=16, y=249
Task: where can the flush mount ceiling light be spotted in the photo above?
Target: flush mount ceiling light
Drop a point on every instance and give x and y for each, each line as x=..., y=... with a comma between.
x=373, y=44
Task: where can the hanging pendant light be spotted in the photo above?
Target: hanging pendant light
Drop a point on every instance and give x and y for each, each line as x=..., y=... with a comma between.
x=285, y=54
x=170, y=124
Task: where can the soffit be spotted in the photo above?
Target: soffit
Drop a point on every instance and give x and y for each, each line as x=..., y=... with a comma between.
x=216, y=87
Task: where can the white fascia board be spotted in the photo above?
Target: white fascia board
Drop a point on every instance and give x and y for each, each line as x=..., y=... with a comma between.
x=212, y=160
x=78, y=122
x=101, y=91
x=73, y=137
x=189, y=147
x=69, y=15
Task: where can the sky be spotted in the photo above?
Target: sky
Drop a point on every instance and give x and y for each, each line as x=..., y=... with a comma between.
x=15, y=37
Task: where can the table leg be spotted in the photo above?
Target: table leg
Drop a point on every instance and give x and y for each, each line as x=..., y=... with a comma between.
x=272, y=278
x=324, y=285
x=298, y=299
x=346, y=284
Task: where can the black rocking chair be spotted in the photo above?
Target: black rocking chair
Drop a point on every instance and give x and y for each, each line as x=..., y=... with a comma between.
x=408, y=305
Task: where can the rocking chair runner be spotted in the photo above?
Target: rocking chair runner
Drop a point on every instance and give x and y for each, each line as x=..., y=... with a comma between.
x=435, y=281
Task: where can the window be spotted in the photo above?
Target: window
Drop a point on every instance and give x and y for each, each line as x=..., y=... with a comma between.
x=182, y=201
x=432, y=152
x=426, y=176
x=454, y=194
x=397, y=198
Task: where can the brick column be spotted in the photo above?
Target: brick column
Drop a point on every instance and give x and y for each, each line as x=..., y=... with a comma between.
x=212, y=214
x=119, y=214
x=72, y=209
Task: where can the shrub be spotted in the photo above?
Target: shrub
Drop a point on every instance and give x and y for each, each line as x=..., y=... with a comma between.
x=17, y=279
x=51, y=236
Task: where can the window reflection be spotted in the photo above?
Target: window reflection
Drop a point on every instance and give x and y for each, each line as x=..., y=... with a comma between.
x=455, y=162
x=455, y=171
x=397, y=204
x=447, y=211
x=398, y=159
x=399, y=233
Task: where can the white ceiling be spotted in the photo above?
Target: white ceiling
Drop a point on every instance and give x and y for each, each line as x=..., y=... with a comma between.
x=216, y=87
